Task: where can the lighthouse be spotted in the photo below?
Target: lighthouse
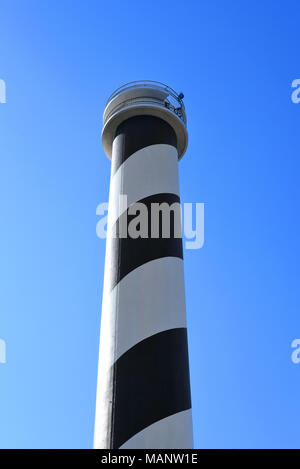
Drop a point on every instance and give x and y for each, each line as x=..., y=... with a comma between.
x=143, y=391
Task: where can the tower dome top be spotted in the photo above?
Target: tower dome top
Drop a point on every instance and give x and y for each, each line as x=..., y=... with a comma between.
x=145, y=97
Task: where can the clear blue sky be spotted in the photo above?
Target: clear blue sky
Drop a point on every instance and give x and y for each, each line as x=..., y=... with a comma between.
x=235, y=62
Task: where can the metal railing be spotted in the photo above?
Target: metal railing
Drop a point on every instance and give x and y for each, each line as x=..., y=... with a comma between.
x=178, y=109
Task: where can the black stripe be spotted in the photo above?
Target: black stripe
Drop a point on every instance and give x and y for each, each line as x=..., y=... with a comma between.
x=151, y=383
x=139, y=132
x=128, y=253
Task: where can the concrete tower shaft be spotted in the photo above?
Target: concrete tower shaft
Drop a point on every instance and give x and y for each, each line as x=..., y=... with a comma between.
x=143, y=395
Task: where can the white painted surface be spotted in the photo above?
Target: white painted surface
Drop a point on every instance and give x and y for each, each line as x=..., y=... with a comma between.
x=151, y=170
x=149, y=300
x=174, y=432
x=118, y=101
x=106, y=356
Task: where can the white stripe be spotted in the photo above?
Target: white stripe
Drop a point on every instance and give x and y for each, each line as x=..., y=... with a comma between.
x=149, y=300
x=174, y=432
x=151, y=170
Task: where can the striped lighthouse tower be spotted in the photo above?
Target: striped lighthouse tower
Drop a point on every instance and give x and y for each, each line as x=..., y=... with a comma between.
x=143, y=392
